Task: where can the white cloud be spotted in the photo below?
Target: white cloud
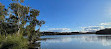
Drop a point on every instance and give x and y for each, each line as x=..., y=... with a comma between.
x=59, y=29
x=92, y=28
x=46, y=26
x=96, y=28
x=109, y=23
x=108, y=27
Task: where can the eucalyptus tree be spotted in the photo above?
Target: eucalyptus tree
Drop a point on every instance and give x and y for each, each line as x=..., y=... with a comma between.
x=18, y=16
x=24, y=14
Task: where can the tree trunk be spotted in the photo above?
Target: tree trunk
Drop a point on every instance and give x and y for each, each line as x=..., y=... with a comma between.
x=18, y=21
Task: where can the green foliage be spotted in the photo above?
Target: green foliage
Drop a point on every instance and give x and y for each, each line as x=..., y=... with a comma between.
x=13, y=42
x=7, y=28
x=3, y=12
x=20, y=15
x=19, y=9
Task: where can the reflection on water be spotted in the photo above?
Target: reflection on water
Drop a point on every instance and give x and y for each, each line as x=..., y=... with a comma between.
x=76, y=42
x=104, y=40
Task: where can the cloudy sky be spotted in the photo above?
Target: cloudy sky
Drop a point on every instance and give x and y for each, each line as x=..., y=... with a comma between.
x=72, y=15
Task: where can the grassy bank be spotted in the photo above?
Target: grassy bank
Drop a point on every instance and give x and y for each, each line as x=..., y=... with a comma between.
x=13, y=42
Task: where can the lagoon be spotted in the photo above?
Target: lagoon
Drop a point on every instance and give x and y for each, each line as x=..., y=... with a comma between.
x=83, y=41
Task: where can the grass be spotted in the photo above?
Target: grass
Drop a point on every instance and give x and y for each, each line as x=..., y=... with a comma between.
x=13, y=42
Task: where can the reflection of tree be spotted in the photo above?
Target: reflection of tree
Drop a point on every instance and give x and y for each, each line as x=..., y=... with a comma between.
x=36, y=45
x=107, y=38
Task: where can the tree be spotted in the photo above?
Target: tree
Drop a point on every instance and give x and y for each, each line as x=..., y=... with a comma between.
x=18, y=15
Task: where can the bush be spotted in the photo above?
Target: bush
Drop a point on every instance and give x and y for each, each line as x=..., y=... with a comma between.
x=13, y=42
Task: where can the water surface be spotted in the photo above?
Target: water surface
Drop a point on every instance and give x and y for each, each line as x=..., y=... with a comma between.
x=89, y=41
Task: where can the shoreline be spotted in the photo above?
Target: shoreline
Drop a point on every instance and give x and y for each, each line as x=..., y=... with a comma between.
x=55, y=33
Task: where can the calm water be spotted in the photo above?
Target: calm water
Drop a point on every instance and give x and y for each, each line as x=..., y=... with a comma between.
x=76, y=42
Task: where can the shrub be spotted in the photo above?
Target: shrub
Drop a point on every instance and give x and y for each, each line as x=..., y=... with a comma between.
x=13, y=42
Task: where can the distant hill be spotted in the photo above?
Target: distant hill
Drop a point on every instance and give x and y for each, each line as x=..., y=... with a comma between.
x=104, y=31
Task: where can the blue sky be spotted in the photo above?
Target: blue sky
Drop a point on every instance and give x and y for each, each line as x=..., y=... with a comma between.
x=72, y=15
